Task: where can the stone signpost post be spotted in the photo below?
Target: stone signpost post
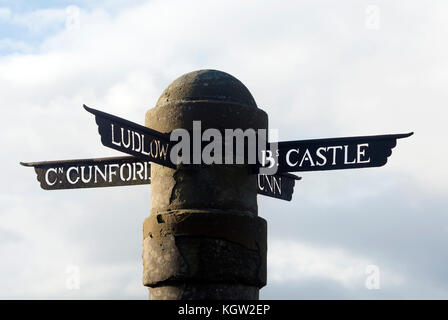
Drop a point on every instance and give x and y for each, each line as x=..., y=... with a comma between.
x=204, y=238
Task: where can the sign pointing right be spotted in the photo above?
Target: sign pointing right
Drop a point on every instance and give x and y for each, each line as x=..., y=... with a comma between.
x=334, y=153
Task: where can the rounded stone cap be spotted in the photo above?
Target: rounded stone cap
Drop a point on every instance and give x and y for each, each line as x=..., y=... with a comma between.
x=207, y=85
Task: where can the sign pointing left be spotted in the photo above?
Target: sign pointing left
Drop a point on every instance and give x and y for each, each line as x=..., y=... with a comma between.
x=132, y=138
x=126, y=171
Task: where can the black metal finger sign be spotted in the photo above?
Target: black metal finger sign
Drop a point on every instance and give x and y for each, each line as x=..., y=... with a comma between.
x=132, y=138
x=333, y=153
x=128, y=171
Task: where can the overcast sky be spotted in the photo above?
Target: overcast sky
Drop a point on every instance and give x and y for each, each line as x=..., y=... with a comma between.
x=319, y=68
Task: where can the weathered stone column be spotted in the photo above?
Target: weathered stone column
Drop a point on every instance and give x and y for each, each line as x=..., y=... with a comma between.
x=204, y=239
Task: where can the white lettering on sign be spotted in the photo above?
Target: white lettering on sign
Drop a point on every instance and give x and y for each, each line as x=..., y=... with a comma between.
x=334, y=148
x=321, y=157
x=134, y=148
x=117, y=143
x=307, y=157
x=122, y=174
x=139, y=142
x=288, y=154
x=334, y=155
x=102, y=174
x=268, y=157
x=94, y=174
x=270, y=183
x=362, y=153
x=47, y=179
x=69, y=179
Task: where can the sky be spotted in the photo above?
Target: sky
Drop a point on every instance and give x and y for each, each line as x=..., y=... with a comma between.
x=320, y=69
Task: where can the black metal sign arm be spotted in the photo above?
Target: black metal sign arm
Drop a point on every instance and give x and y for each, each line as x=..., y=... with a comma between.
x=336, y=153
x=134, y=139
x=91, y=173
x=280, y=186
x=128, y=170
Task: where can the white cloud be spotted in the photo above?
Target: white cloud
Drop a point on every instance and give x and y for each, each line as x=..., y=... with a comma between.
x=10, y=45
x=292, y=261
x=5, y=13
x=35, y=21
